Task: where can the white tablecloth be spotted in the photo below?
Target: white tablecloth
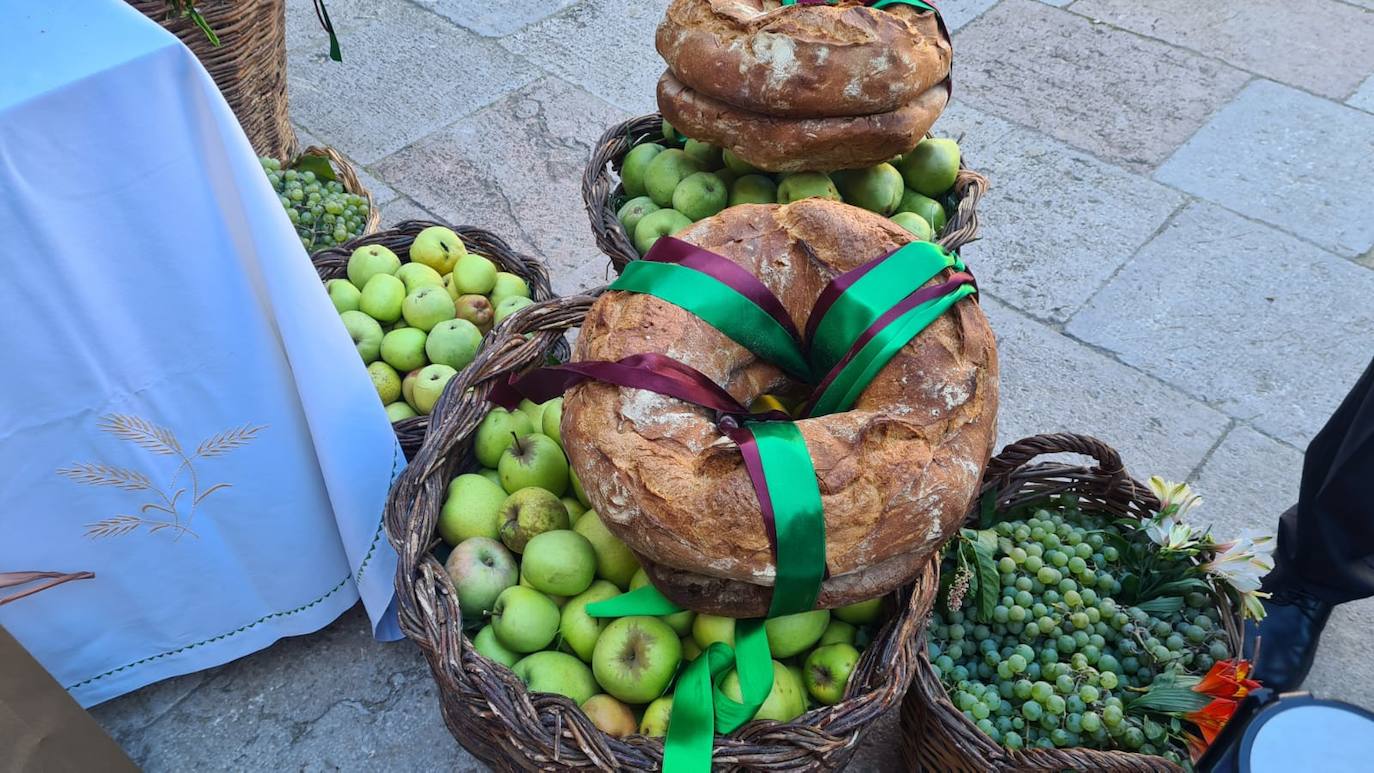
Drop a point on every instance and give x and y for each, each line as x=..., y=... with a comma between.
x=181, y=411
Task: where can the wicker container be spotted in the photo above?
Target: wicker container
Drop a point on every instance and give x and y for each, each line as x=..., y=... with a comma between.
x=249, y=64
x=344, y=171
x=332, y=263
x=603, y=196
x=937, y=736
x=486, y=706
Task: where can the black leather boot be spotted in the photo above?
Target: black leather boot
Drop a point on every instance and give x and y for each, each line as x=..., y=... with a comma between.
x=1287, y=638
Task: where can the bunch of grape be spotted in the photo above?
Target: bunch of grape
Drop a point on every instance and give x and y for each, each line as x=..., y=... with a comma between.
x=1056, y=663
x=323, y=213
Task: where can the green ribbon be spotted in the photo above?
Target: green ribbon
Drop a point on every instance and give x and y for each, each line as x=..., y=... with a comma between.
x=798, y=516
x=879, y=289
x=720, y=306
x=880, y=4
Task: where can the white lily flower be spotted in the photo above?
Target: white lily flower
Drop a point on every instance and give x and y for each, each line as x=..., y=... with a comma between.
x=1168, y=529
x=1244, y=561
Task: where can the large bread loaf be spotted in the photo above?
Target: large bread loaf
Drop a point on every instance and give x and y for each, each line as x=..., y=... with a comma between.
x=897, y=473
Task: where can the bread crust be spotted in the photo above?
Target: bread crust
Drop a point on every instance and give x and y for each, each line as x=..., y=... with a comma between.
x=800, y=144
x=897, y=473
x=804, y=60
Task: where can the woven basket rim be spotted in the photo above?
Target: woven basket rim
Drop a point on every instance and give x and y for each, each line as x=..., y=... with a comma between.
x=332, y=263
x=487, y=708
x=601, y=188
x=1112, y=490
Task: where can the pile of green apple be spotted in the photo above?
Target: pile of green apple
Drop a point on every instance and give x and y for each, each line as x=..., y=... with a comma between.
x=673, y=183
x=425, y=318
x=528, y=556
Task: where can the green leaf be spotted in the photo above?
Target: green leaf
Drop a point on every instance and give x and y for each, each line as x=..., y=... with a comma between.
x=317, y=164
x=1180, y=587
x=1162, y=605
x=1130, y=586
x=987, y=540
x=1168, y=700
x=987, y=582
x=987, y=509
x=204, y=25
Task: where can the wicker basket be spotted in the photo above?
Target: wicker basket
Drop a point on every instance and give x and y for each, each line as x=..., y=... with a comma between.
x=937, y=736
x=602, y=194
x=332, y=263
x=348, y=177
x=249, y=64
x=486, y=706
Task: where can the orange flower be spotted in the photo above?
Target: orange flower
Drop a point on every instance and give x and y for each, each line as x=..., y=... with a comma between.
x=1228, y=679
x=1210, y=719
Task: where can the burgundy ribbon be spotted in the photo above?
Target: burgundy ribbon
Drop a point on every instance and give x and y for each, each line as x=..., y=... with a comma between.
x=834, y=289
x=722, y=269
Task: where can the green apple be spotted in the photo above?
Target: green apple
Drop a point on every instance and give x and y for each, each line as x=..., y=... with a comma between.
x=680, y=622
x=528, y=512
x=381, y=298
x=429, y=386
x=558, y=673
x=476, y=309
x=575, y=510
x=558, y=601
x=827, y=671
x=915, y=225
x=471, y=509
x=533, y=410
x=706, y=155
x=931, y=167
x=690, y=650
x=525, y=619
x=399, y=411
x=404, y=349
x=610, y=715
x=700, y=195
x=408, y=388
x=654, y=723
x=508, y=285
x=791, y=634
x=453, y=342
x=632, y=211
x=437, y=247
x=343, y=295
x=534, y=460
x=385, y=381
x=481, y=568
x=417, y=275
x=876, y=189
x=560, y=562
x=491, y=475
x=861, y=612
x=427, y=307
x=368, y=261
x=726, y=176
x=709, y=629
x=635, y=658
x=474, y=274
x=491, y=648
x=665, y=171
x=785, y=702
x=929, y=209
x=633, y=167
x=577, y=489
x=753, y=189
x=806, y=185
x=365, y=332
x=669, y=133
x=509, y=306
x=614, y=561
x=494, y=434
x=653, y=226
x=579, y=629
x=838, y=632
x=736, y=164
x=451, y=286
x=552, y=420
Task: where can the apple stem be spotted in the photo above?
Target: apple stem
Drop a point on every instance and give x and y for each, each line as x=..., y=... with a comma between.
x=516, y=443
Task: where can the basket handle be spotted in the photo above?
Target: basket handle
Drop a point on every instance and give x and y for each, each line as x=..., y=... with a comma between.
x=1018, y=454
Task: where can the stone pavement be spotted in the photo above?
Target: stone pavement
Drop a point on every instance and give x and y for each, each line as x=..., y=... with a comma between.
x=1177, y=257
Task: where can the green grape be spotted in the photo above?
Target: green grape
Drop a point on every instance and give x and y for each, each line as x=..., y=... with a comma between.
x=1032, y=710
x=1089, y=694
x=1112, y=715
x=1091, y=722
x=1108, y=680
x=1012, y=740
x=1041, y=691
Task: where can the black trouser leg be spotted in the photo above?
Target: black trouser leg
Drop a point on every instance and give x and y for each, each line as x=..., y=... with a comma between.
x=1326, y=542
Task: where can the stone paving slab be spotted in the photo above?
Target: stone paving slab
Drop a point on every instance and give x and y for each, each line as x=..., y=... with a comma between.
x=1321, y=46
x=1051, y=383
x=1364, y=97
x=1268, y=328
x=1056, y=222
x=514, y=167
x=495, y=19
x=604, y=46
x=1299, y=162
x=957, y=13
x=382, y=194
x=400, y=79
x=1124, y=98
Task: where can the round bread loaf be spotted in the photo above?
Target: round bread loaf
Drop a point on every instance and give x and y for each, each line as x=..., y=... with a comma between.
x=897, y=473
x=800, y=144
x=804, y=60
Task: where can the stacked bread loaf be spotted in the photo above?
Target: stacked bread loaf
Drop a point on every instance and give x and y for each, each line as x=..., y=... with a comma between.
x=806, y=86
